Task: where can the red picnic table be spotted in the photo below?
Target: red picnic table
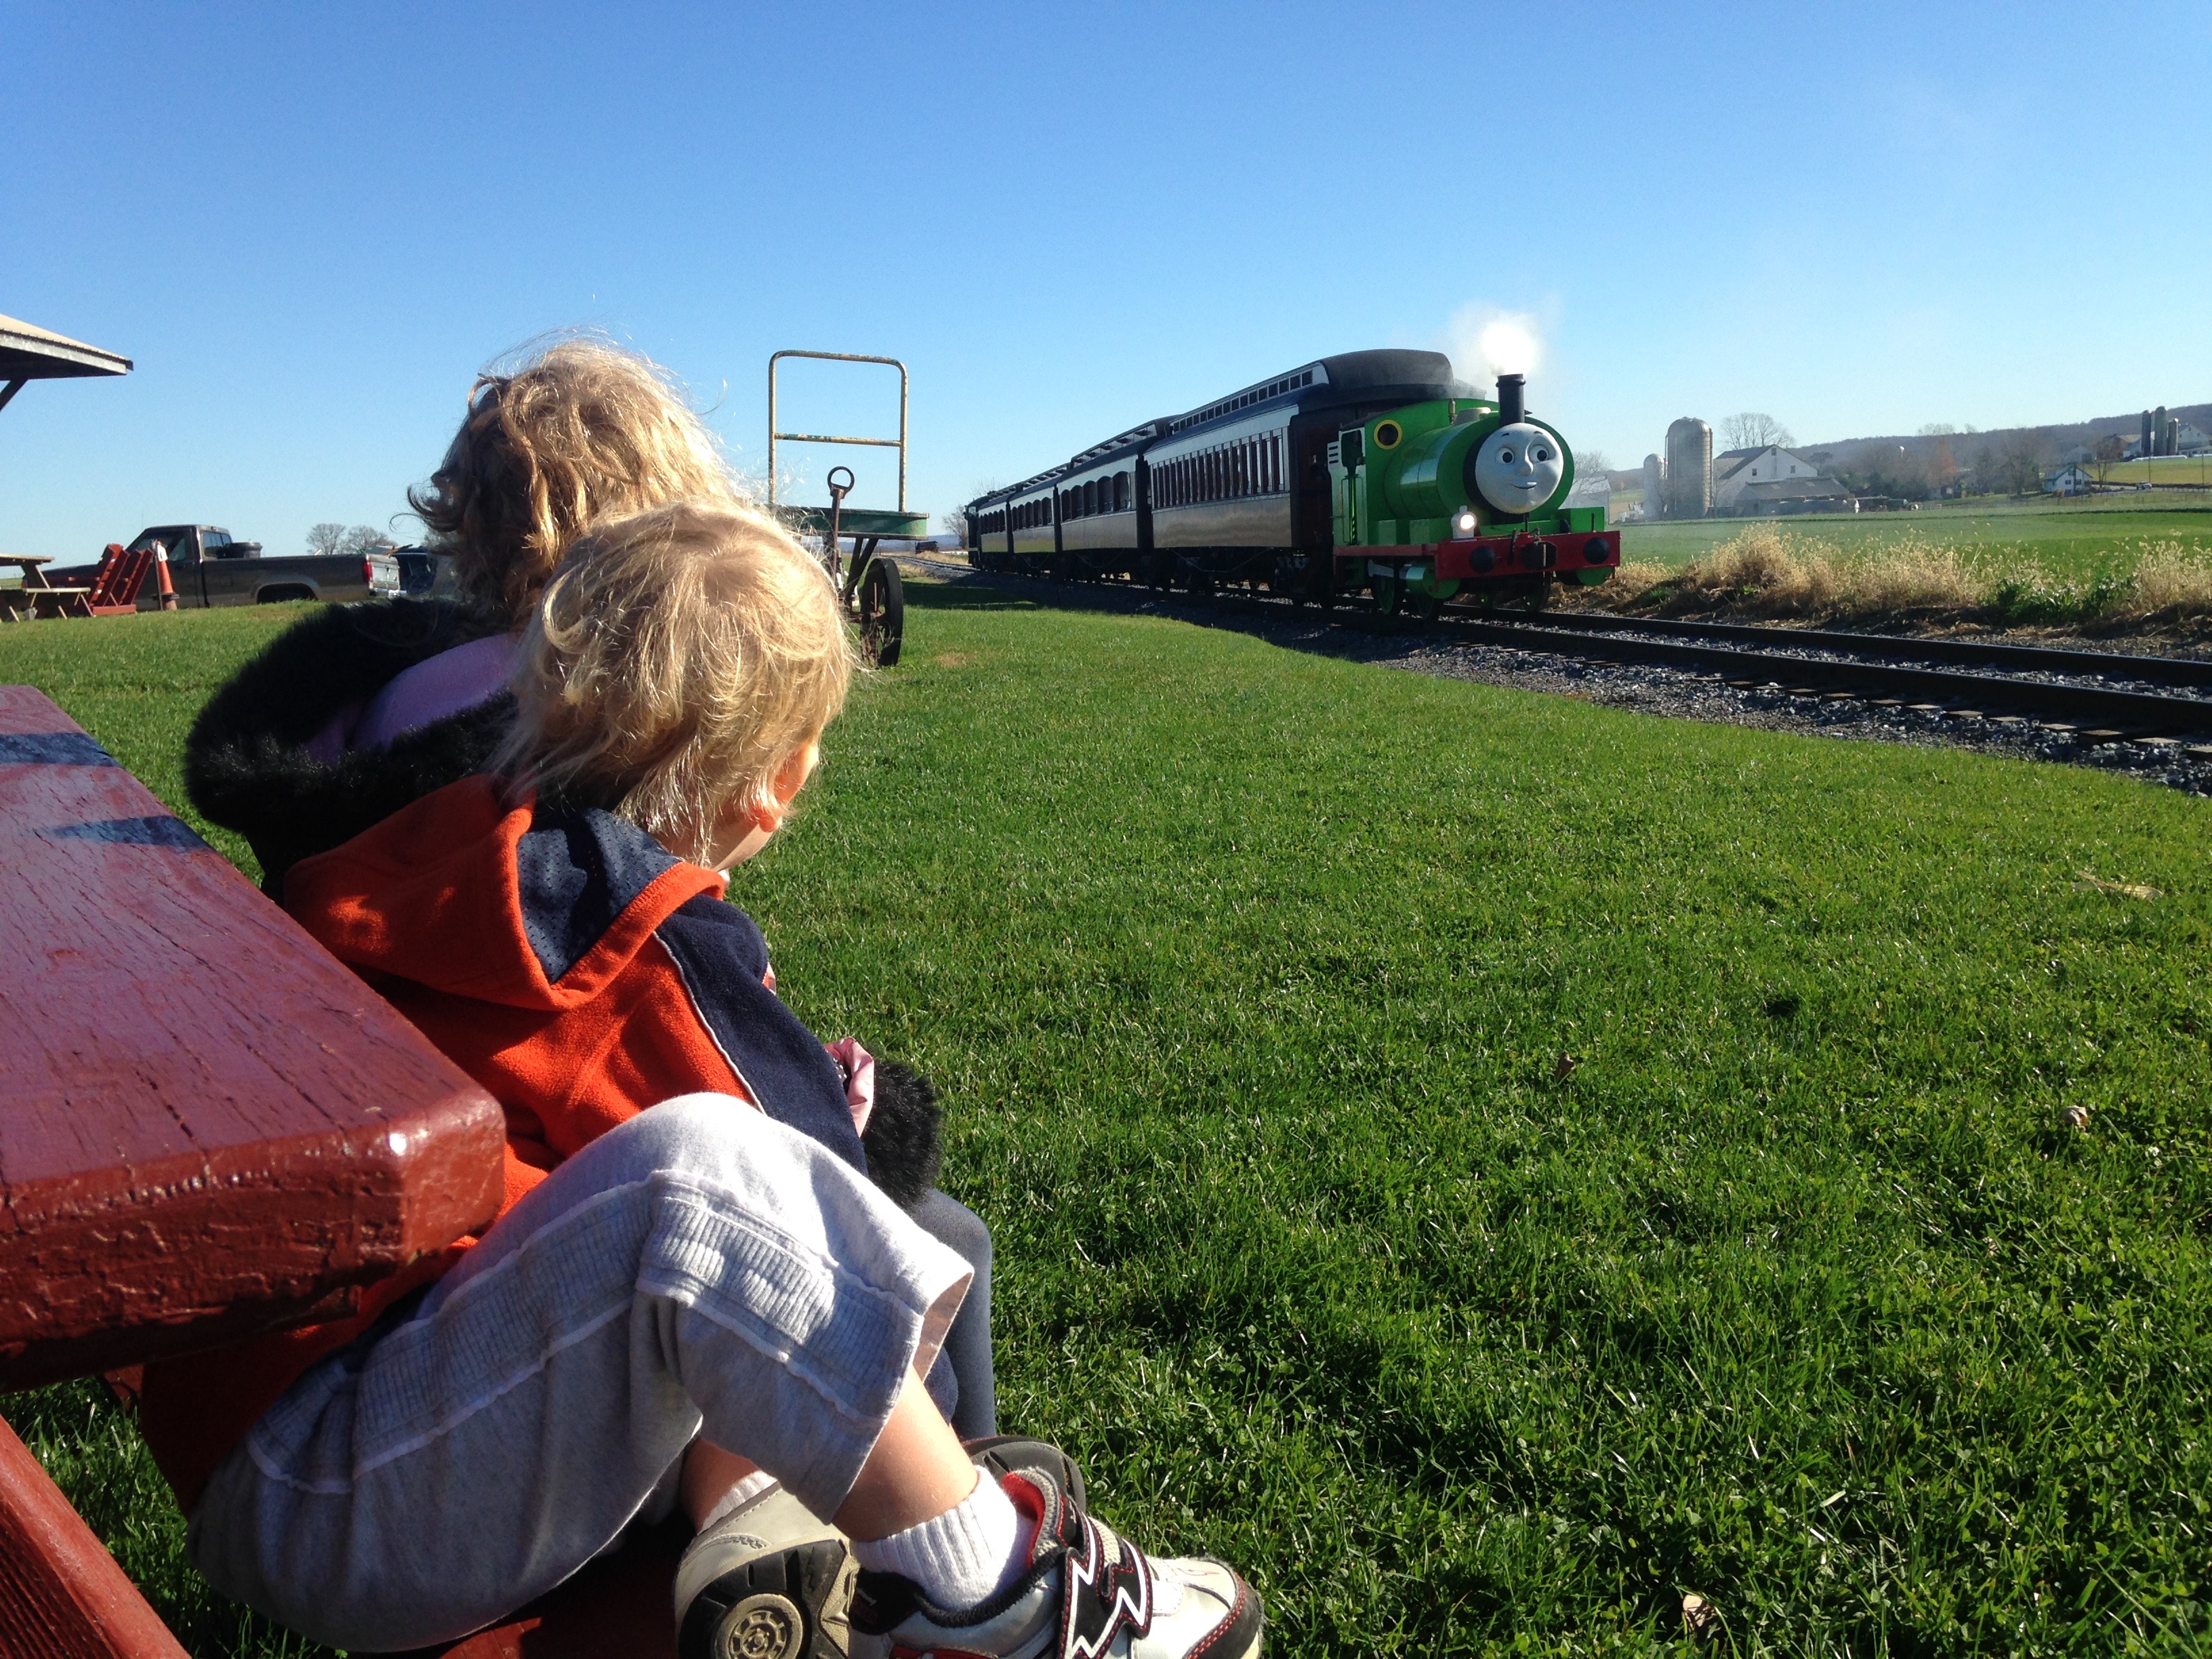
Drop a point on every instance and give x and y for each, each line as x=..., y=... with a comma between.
x=209, y=1128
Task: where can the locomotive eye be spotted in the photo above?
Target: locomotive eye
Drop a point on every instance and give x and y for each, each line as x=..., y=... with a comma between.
x=1506, y=456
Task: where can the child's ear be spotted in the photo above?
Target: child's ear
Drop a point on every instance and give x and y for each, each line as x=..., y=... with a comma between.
x=791, y=777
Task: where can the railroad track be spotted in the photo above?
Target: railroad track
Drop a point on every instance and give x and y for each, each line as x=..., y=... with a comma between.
x=2067, y=693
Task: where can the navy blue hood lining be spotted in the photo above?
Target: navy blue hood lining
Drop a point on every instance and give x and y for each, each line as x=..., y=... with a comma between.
x=578, y=868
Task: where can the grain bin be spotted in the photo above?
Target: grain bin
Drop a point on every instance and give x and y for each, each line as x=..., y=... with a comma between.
x=1689, y=469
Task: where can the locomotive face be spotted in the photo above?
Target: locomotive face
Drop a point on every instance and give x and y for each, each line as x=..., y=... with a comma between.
x=1518, y=467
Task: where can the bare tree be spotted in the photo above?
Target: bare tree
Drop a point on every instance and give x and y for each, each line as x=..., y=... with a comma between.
x=1752, y=430
x=2017, y=466
x=1591, y=462
x=325, y=538
x=2106, y=455
x=953, y=521
x=365, y=538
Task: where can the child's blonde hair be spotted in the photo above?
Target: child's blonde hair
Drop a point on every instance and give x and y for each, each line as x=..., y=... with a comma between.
x=676, y=663
x=582, y=431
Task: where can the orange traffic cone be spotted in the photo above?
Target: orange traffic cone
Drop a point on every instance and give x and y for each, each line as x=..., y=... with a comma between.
x=161, y=575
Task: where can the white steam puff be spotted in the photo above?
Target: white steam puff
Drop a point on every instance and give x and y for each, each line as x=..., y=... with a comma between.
x=1485, y=341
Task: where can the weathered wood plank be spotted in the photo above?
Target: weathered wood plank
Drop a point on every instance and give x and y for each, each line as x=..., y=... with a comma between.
x=62, y=1597
x=208, y=1125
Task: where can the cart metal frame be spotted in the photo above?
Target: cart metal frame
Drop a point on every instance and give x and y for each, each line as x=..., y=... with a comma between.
x=870, y=589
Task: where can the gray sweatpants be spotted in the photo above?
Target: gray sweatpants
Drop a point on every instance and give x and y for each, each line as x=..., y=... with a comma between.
x=700, y=1269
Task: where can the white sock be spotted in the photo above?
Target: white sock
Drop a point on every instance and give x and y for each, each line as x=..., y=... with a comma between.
x=745, y=1491
x=962, y=1557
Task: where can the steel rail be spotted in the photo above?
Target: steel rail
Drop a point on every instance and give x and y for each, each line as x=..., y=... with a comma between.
x=2107, y=665
x=2099, y=711
x=2147, y=712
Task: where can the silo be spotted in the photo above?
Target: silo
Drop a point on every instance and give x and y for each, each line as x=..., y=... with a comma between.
x=2158, y=432
x=2149, y=443
x=2174, y=435
x=1689, y=469
x=1653, y=506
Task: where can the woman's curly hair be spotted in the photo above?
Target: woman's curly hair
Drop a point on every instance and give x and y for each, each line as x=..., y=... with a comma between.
x=582, y=431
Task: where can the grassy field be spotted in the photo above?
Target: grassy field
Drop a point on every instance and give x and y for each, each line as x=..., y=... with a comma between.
x=2162, y=470
x=1489, y=1165
x=2082, y=539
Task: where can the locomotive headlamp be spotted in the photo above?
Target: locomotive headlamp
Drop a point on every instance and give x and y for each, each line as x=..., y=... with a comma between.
x=1518, y=467
x=1464, y=524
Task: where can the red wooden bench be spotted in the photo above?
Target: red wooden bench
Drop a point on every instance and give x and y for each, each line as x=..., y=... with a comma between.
x=209, y=1128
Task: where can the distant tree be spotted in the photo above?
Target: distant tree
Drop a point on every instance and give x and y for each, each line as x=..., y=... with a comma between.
x=365, y=538
x=325, y=538
x=1942, y=467
x=1890, y=470
x=2014, y=465
x=953, y=520
x=1939, y=429
x=1591, y=462
x=2106, y=455
x=1752, y=430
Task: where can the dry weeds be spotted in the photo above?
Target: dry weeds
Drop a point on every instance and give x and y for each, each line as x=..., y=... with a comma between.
x=1773, y=574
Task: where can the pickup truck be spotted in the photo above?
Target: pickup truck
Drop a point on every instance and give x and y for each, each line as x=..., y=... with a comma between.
x=208, y=568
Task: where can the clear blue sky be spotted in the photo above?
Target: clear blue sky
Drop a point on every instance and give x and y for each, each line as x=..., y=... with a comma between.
x=310, y=225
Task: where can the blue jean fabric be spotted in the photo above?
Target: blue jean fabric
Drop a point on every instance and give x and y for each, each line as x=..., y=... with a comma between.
x=962, y=1382
x=698, y=1270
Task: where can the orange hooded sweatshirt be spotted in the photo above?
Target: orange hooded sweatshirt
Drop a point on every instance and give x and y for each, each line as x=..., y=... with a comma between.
x=569, y=963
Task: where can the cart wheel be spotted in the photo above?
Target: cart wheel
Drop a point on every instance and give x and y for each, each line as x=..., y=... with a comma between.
x=882, y=614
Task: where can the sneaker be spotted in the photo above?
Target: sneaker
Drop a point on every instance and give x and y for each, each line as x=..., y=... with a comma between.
x=768, y=1581
x=1001, y=1454
x=1088, y=1595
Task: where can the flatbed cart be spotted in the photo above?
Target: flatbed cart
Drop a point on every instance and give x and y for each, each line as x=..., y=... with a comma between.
x=870, y=587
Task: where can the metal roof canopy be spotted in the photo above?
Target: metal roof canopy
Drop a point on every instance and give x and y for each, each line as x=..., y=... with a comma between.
x=28, y=354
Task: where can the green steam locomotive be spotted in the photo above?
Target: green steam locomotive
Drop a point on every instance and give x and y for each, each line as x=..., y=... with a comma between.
x=1373, y=473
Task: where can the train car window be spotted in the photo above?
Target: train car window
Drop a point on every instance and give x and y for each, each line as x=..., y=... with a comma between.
x=1121, y=492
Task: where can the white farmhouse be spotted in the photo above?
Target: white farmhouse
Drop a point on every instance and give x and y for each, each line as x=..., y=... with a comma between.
x=1760, y=480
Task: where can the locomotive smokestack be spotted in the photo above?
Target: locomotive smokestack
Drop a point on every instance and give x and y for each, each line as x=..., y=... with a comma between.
x=1511, y=407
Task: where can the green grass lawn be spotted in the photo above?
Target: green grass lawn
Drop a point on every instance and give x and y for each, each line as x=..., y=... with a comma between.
x=1247, y=977
x=2085, y=539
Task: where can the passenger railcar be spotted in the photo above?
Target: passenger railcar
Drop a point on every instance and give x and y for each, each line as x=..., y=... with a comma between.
x=1373, y=473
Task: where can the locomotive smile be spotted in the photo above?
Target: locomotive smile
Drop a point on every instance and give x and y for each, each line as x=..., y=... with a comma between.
x=1375, y=473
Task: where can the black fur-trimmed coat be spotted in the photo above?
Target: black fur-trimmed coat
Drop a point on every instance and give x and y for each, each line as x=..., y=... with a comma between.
x=247, y=767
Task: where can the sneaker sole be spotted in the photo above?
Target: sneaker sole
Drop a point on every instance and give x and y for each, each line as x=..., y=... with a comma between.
x=794, y=1604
